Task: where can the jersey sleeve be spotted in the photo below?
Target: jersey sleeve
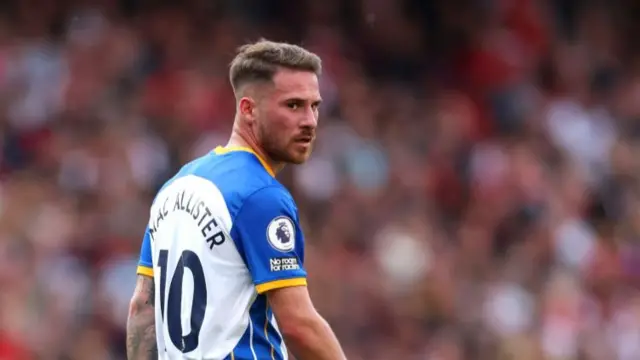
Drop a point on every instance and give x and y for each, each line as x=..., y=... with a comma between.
x=268, y=235
x=145, y=264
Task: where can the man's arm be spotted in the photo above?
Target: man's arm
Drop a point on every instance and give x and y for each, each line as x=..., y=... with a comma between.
x=269, y=234
x=141, y=331
x=305, y=332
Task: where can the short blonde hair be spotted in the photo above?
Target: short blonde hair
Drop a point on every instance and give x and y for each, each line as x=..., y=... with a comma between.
x=258, y=62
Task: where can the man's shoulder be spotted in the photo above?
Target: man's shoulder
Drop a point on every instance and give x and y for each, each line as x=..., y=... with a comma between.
x=267, y=199
x=272, y=193
x=242, y=180
x=239, y=173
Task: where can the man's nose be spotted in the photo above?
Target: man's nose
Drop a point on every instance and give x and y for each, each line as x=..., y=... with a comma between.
x=310, y=118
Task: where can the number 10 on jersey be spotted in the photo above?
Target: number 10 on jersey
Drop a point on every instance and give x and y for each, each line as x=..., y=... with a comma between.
x=172, y=319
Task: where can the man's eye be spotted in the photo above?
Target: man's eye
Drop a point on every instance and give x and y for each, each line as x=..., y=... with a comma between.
x=293, y=106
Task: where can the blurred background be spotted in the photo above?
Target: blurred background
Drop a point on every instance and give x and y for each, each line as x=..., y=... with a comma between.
x=474, y=193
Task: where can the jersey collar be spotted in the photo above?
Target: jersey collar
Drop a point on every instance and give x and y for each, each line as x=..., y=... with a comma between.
x=227, y=149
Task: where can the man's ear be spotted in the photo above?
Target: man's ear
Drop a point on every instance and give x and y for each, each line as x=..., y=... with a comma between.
x=247, y=108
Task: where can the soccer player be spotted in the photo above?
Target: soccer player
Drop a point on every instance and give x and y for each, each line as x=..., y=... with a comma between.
x=221, y=272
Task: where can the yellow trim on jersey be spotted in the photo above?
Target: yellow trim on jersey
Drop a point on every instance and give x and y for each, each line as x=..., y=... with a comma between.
x=271, y=285
x=233, y=357
x=143, y=270
x=225, y=150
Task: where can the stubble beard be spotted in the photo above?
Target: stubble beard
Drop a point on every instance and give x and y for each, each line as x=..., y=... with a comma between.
x=272, y=148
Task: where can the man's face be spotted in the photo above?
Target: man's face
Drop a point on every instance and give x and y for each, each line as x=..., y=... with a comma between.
x=288, y=116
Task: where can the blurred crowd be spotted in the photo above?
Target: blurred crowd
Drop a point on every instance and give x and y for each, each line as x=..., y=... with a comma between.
x=474, y=192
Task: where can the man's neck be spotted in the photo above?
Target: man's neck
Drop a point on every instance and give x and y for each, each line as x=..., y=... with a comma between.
x=241, y=140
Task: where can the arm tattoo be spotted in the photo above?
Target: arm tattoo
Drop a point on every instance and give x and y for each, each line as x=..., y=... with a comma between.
x=141, y=331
